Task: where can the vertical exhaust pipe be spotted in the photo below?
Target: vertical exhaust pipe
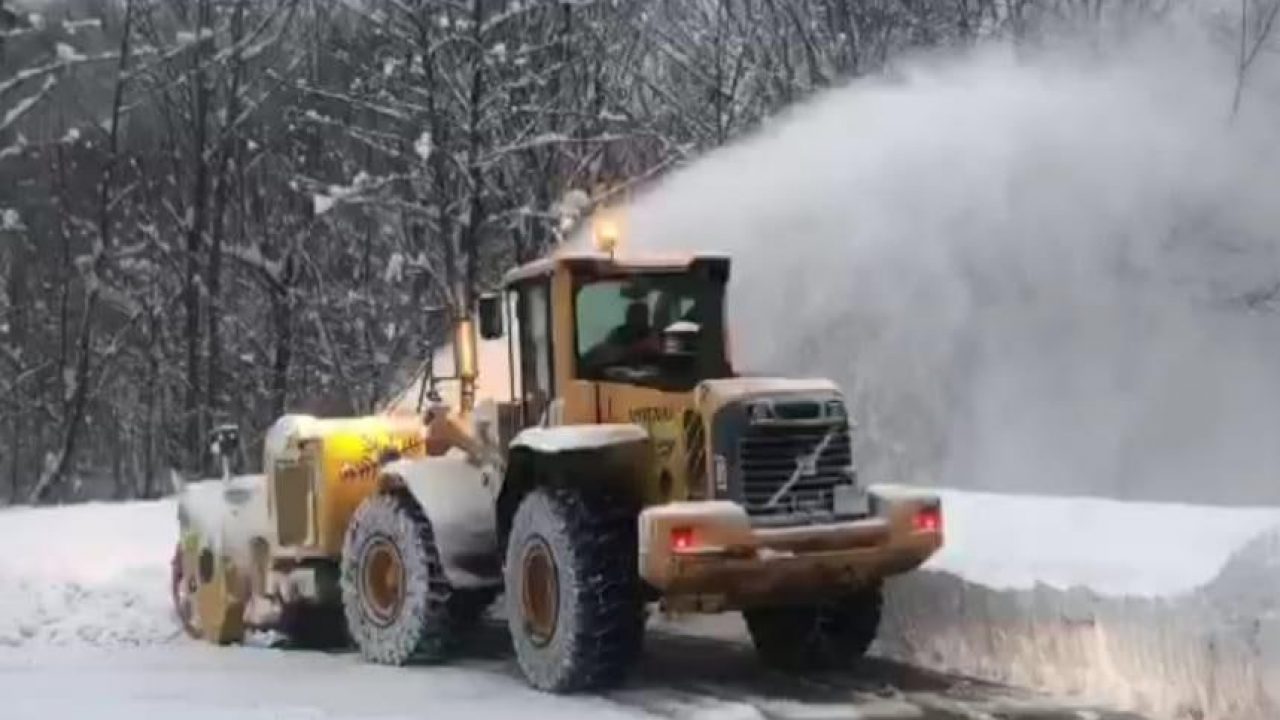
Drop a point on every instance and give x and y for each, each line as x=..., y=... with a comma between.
x=465, y=363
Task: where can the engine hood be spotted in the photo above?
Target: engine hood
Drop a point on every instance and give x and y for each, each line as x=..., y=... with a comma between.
x=715, y=394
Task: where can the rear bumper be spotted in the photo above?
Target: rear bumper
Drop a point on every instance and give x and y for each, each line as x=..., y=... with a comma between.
x=722, y=562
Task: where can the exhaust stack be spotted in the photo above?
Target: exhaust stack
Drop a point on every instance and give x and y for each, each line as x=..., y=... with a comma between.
x=465, y=364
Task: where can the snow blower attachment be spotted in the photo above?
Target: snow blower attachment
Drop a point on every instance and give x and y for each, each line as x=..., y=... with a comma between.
x=617, y=461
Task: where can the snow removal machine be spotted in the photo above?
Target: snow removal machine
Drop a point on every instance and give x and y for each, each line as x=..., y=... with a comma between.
x=611, y=461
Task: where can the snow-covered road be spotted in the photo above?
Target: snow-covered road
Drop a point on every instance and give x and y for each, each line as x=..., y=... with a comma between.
x=1156, y=608
x=683, y=677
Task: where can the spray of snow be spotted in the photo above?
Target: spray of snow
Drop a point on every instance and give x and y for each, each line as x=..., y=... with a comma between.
x=1042, y=271
x=1048, y=271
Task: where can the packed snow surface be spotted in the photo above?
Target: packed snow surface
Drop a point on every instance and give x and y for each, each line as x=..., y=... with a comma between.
x=211, y=683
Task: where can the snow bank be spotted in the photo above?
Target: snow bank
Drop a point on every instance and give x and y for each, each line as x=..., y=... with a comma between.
x=94, y=574
x=1168, y=610
x=1016, y=542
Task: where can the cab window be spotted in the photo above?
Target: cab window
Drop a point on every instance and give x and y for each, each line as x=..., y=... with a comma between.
x=661, y=330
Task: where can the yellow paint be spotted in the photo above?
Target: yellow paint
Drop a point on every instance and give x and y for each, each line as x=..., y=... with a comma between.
x=219, y=599
x=662, y=415
x=350, y=471
x=348, y=451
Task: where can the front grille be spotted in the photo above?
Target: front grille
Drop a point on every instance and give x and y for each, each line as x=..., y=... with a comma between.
x=292, y=500
x=780, y=475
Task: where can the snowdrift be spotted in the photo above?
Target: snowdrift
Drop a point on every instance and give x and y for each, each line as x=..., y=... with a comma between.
x=92, y=574
x=1168, y=610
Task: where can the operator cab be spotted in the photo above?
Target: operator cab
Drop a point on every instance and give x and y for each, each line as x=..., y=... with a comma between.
x=655, y=322
x=650, y=327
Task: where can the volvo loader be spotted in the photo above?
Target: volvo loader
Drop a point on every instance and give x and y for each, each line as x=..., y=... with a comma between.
x=613, y=460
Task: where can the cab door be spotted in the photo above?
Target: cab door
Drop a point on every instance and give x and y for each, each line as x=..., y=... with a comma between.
x=602, y=308
x=536, y=385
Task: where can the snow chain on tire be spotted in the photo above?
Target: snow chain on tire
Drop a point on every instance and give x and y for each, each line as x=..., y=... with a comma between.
x=425, y=618
x=826, y=636
x=598, y=610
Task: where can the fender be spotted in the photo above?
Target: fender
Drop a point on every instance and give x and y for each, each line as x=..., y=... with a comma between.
x=607, y=453
x=570, y=438
x=456, y=498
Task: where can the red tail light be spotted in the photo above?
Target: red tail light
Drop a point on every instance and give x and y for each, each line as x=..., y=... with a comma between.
x=928, y=520
x=681, y=538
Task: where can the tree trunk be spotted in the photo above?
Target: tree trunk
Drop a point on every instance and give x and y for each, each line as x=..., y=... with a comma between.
x=18, y=300
x=73, y=419
x=195, y=234
x=120, y=491
x=282, y=320
x=213, y=384
x=470, y=240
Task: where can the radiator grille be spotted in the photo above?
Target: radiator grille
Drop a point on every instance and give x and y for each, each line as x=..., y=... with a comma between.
x=790, y=470
x=292, y=488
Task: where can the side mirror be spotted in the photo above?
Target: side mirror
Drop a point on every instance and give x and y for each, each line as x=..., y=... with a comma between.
x=489, y=309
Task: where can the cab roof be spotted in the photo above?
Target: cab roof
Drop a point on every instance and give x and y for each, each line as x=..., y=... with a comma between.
x=604, y=263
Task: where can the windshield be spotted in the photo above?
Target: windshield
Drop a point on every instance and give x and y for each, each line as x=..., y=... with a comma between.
x=657, y=329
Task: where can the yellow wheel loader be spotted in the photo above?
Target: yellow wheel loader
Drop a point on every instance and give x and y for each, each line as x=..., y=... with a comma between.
x=612, y=460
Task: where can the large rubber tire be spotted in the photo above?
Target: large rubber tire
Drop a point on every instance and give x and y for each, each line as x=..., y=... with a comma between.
x=399, y=606
x=586, y=543
x=826, y=636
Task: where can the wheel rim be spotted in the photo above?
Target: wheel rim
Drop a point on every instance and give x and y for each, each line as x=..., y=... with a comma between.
x=383, y=581
x=539, y=592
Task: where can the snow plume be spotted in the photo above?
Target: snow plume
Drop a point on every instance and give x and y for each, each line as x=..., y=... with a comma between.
x=1047, y=270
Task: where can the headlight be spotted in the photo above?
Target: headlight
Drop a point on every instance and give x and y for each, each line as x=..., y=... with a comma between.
x=720, y=471
x=835, y=410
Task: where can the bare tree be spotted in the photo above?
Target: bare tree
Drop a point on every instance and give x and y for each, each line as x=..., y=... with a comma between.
x=1257, y=18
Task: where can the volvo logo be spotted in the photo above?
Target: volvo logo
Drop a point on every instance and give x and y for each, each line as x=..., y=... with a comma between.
x=806, y=466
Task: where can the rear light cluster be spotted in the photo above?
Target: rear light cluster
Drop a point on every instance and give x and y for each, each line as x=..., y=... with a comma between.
x=927, y=519
x=681, y=538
